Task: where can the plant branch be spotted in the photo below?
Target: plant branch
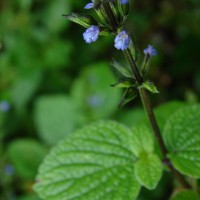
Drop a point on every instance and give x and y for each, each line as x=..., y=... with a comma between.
x=149, y=111
x=145, y=99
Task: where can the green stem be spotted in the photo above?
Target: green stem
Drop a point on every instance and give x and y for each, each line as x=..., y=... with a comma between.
x=150, y=114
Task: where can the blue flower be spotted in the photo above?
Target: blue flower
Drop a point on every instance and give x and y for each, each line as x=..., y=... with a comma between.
x=150, y=51
x=9, y=170
x=4, y=106
x=122, y=40
x=89, y=5
x=124, y=1
x=91, y=34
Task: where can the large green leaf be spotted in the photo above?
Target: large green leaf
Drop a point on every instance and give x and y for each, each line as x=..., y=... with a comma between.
x=26, y=155
x=182, y=138
x=185, y=195
x=164, y=111
x=148, y=170
x=55, y=117
x=92, y=164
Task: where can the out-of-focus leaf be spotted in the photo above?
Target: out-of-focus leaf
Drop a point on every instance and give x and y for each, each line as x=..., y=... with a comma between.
x=24, y=87
x=185, y=195
x=55, y=117
x=25, y=155
x=93, y=92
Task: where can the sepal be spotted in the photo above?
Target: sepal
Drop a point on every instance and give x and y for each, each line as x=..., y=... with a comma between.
x=129, y=94
x=81, y=19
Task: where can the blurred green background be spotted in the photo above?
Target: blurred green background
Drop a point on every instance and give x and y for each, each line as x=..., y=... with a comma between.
x=52, y=83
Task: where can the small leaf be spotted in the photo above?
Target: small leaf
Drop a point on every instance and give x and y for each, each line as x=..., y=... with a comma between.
x=129, y=95
x=182, y=138
x=123, y=71
x=123, y=84
x=148, y=170
x=81, y=19
x=185, y=195
x=150, y=86
x=123, y=9
x=141, y=140
x=92, y=163
x=102, y=19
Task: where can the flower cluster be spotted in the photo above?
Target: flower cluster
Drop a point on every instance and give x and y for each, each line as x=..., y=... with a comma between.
x=104, y=24
x=122, y=40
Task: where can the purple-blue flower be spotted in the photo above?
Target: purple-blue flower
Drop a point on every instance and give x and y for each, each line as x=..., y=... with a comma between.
x=9, y=170
x=124, y=1
x=122, y=40
x=4, y=106
x=91, y=34
x=150, y=50
x=89, y=5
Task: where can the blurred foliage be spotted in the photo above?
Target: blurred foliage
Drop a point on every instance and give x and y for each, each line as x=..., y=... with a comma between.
x=55, y=83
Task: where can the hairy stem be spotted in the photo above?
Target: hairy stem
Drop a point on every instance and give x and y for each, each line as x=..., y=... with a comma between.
x=150, y=114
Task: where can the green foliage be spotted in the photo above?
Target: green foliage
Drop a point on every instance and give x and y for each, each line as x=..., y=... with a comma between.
x=185, y=195
x=92, y=91
x=39, y=59
x=93, y=163
x=26, y=155
x=83, y=20
x=182, y=138
x=148, y=170
x=141, y=140
x=149, y=86
x=55, y=117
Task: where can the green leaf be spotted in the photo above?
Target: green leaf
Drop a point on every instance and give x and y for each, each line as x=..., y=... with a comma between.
x=93, y=163
x=182, y=138
x=141, y=140
x=24, y=87
x=123, y=84
x=123, y=71
x=55, y=117
x=26, y=155
x=164, y=111
x=185, y=195
x=148, y=170
x=93, y=93
x=81, y=19
x=150, y=86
